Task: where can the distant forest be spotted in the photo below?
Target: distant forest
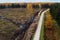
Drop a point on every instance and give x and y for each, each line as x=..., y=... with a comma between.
x=12, y=6
x=17, y=6
x=22, y=6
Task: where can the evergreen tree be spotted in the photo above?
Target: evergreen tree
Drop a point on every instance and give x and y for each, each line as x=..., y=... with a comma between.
x=55, y=11
x=45, y=6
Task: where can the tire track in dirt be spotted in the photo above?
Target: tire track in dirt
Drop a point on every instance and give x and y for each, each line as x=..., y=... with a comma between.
x=31, y=30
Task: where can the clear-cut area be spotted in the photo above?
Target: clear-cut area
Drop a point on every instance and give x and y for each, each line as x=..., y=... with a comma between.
x=29, y=21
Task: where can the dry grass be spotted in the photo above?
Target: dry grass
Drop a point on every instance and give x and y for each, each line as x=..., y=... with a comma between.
x=16, y=14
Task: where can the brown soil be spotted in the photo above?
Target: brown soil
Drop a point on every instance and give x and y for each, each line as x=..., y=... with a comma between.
x=30, y=31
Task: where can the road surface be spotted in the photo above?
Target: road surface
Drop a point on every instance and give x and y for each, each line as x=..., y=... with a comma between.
x=37, y=33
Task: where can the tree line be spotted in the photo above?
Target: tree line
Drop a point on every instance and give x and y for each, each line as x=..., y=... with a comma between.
x=22, y=6
x=12, y=6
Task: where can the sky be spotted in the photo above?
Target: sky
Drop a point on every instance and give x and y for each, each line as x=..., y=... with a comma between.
x=16, y=1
